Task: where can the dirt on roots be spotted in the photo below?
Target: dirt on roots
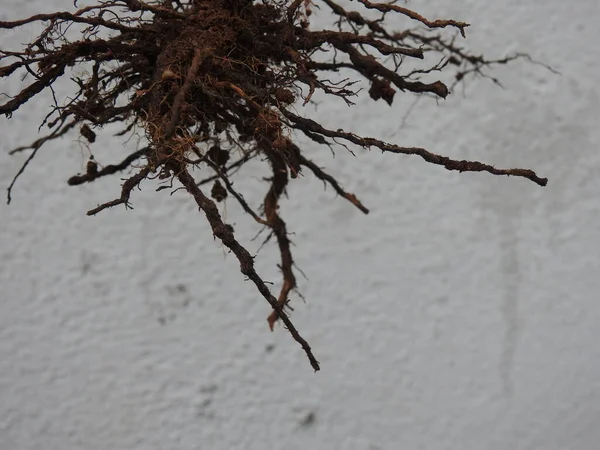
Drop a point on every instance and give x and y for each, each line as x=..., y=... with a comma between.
x=217, y=83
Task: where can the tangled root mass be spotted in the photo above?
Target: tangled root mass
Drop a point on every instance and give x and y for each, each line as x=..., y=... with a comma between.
x=217, y=83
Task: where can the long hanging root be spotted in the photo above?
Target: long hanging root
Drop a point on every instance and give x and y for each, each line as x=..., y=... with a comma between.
x=224, y=233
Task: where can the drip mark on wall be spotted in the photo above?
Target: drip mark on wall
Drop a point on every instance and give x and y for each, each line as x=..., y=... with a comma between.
x=510, y=302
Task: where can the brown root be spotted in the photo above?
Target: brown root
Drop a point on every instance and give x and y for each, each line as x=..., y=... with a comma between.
x=204, y=80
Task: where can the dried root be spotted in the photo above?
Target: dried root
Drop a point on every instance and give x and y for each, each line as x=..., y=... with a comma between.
x=206, y=79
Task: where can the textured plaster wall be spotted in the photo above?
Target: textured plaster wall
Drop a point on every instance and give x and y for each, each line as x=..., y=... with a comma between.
x=462, y=313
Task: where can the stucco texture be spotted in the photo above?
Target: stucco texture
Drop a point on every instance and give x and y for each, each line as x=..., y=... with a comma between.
x=462, y=313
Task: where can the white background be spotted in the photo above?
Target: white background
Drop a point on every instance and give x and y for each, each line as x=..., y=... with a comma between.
x=462, y=313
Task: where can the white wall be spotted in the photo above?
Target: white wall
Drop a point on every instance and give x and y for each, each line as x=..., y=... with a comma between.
x=462, y=313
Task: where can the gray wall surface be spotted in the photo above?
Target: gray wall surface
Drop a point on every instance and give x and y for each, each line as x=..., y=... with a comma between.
x=462, y=313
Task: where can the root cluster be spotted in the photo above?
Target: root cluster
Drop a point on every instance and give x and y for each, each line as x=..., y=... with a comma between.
x=217, y=83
